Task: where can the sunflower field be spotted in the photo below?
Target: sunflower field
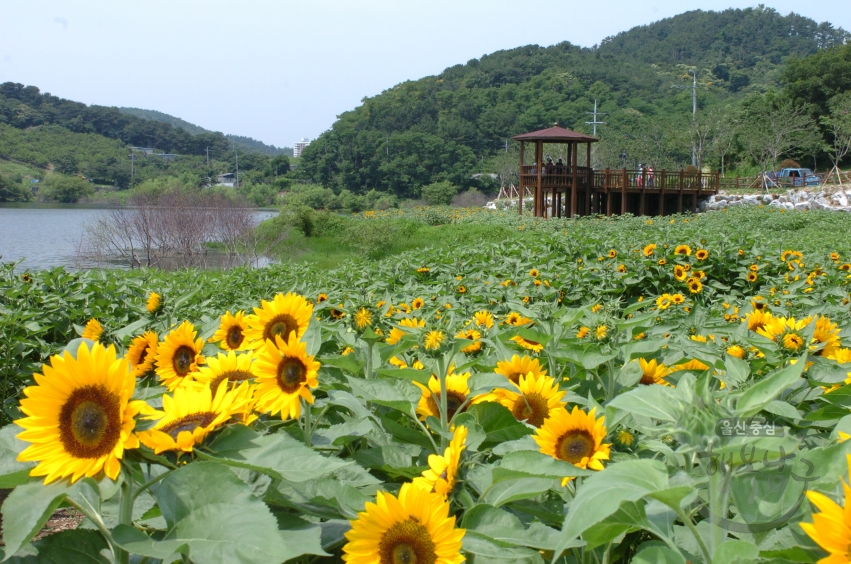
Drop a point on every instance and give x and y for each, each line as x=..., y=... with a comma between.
x=662, y=390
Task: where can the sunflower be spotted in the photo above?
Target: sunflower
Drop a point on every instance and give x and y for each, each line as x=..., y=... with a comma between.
x=782, y=327
x=473, y=335
x=528, y=344
x=831, y=528
x=483, y=319
x=574, y=437
x=694, y=285
x=412, y=528
x=79, y=417
x=231, y=332
x=834, y=256
x=234, y=368
x=396, y=334
x=462, y=290
x=93, y=330
x=443, y=470
x=363, y=318
x=192, y=413
x=154, y=303
x=600, y=332
x=692, y=365
x=679, y=272
x=283, y=316
x=179, y=355
x=677, y=298
x=417, y=303
x=757, y=319
x=701, y=254
x=142, y=353
x=534, y=273
x=520, y=366
x=539, y=398
x=652, y=373
x=424, y=270
x=826, y=333
x=517, y=319
x=26, y=277
x=621, y=268
x=322, y=297
x=752, y=277
x=625, y=438
x=664, y=301
x=284, y=373
x=338, y=313
x=457, y=394
x=737, y=351
x=612, y=253
x=433, y=340
x=754, y=268
x=661, y=262
x=347, y=351
x=649, y=250
x=583, y=332
x=682, y=250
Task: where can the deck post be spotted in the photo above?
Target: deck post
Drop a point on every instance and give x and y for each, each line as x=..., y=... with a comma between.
x=624, y=182
x=662, y=194
x=680, y=195
x=606, y=184
x=589, y=180
x=573, y=150
x=643, y=182
x=539, y=191
x=520, y=195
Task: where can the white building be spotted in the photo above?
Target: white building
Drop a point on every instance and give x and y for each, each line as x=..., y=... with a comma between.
x=299, y=146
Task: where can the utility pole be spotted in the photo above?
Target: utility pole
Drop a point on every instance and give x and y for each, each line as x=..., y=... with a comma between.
x=693, y=88
x=208, y=156
x=595, y=113
x=237, y=164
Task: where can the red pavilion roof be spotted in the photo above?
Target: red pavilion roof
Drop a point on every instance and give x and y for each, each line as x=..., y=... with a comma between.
x=555, y=134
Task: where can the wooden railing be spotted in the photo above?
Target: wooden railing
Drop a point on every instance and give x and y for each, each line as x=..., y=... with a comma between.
x=656, y=181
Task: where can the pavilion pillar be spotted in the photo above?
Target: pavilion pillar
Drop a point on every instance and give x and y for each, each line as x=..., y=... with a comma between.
x=539, y=156
x=573, y=149
x=520, y=179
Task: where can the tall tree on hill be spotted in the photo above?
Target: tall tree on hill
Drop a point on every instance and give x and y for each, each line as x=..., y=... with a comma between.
x=838, y=124
x=772, y=127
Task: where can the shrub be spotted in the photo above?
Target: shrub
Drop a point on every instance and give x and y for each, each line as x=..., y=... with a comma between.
x=65, y=189
x=11, y=191
x=439, y=193
x=788, y=163
x=470, y=198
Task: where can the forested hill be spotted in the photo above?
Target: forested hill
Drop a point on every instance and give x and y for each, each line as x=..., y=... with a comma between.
x=445, y=127
x=242, y=142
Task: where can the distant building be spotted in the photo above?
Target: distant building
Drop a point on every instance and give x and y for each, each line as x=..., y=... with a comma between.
x=144, y=150
x=167, y=156
x=299, y=146
x=226, y=179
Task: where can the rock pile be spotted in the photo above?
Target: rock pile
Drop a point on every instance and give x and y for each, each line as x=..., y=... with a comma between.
x=837, y=200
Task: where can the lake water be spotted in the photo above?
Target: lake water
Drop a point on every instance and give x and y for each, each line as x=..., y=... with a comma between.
x=46, y=235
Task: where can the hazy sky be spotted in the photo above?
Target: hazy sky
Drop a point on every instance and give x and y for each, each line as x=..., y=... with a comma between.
x=281, y=70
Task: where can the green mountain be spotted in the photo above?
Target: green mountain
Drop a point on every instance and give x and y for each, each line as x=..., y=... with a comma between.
x=241, y=142
x=448, y=126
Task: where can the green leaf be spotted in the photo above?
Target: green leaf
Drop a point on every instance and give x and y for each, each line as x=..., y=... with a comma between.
x=737, y=371
x=80, y=546
x=397, y=394
x=538, y=464
x=222, y=523
x=602, y=494
x=755, y=398
x=130, y=329
x=502, y=526
x=27, y=509
x=656, y=552
x=277, y=455
x=498, y=423
x=658, y=402
x=518, y=488
x=410, y=374
x=486, y=550
x=12, y=472
x=735, y=552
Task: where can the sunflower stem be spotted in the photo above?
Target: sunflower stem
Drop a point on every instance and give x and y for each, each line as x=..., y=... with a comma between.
x=125, y=511
x=368, y=368
x=688, y=522
x=92, y=515
x=416, y=420
x=444, y=420
x=308, y=431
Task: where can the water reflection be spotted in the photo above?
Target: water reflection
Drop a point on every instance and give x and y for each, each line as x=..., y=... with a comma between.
x=49, y=235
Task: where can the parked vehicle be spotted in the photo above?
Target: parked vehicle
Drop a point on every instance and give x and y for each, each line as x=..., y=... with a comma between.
x=798, y=177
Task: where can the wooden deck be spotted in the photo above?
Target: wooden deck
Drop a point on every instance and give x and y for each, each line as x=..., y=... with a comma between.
x=614, y=192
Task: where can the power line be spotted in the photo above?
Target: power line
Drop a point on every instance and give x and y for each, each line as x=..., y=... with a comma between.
x=693, y=88
x=595, y=113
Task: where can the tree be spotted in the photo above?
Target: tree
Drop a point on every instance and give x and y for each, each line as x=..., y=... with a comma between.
x=772, y=127
x=65, y=189
x=11, y=191
x=838, y=123
x=66, y=163
x=439, y=193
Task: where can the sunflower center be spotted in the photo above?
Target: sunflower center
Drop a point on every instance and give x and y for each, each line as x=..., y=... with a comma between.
x=575, y=445
x=280, y=326
x=90, y=422
x=231, y=375
x=291, y=373
x=454, y=400
x=532, y=408
x=515, y=376
x=407, y=542
x=182, y=360
x=235, y=337
x=188, y=423
x=143, y=355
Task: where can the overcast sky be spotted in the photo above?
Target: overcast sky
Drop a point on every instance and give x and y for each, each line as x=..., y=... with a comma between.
x=282, y=70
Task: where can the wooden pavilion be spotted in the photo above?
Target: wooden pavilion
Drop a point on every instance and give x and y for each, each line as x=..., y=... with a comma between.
x=566, y=189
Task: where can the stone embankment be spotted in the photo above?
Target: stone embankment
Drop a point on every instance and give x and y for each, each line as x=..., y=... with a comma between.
x=838, y=200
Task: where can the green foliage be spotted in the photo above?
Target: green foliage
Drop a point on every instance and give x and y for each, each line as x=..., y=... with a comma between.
x=65, y=189
x=439, y=193
x=11, y=191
